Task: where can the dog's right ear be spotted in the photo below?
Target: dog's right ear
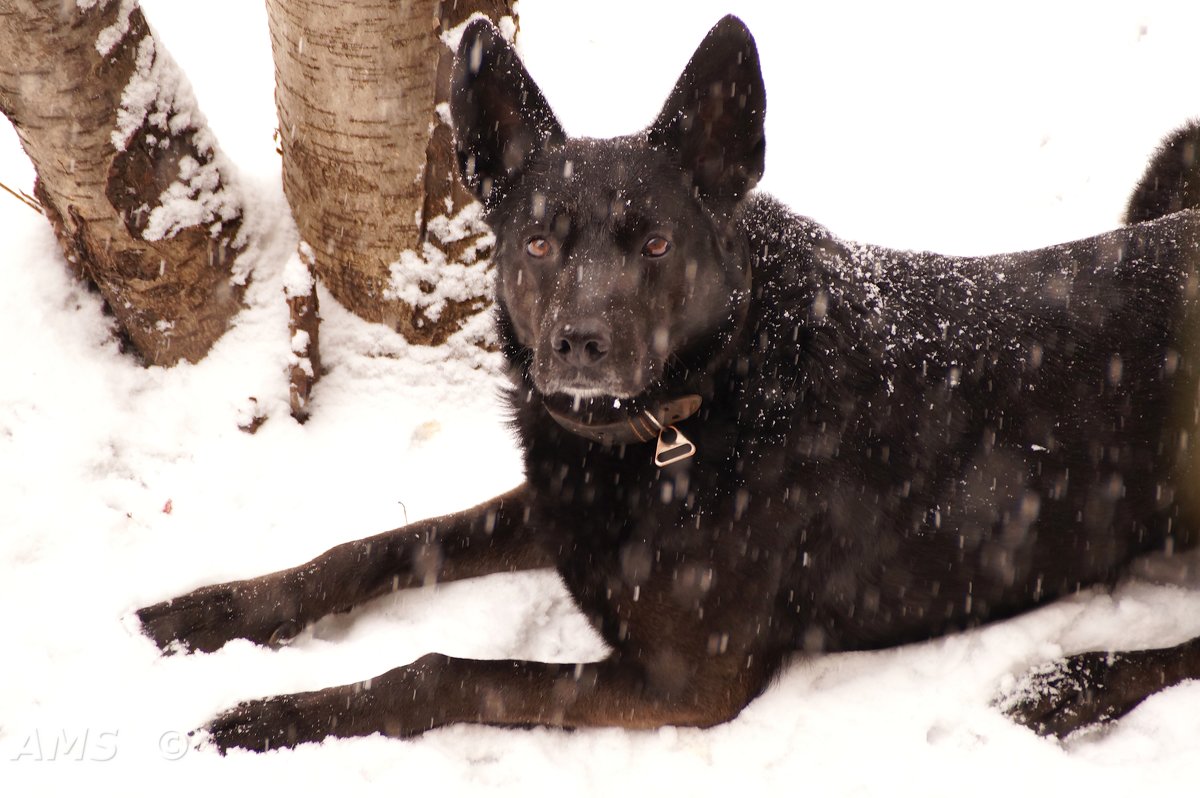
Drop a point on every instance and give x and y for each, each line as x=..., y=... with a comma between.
x=714, y=116
x=501, y=119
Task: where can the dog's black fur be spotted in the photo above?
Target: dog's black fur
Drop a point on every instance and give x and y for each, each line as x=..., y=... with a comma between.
x=889, y=445
x=1172, y=181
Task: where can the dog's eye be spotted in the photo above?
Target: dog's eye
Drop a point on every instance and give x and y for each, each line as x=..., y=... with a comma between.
x=656, y=247
x=537, y=247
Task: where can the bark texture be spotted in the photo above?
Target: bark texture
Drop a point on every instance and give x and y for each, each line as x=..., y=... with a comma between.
x=367, y=159
x=128, y=174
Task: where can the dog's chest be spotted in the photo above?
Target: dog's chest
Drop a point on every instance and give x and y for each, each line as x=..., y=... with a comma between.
x=702, y=574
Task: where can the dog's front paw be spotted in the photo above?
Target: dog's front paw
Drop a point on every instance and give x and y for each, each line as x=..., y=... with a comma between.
x=1071, y=694
x=282, y=721
x=208, y=618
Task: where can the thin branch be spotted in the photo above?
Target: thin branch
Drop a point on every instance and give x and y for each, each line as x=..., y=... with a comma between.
x=25, y=198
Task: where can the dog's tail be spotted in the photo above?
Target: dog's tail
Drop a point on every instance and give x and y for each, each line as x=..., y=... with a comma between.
x=1172, y=181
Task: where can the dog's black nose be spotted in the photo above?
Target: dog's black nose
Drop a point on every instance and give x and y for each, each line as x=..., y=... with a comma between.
x=584, y=343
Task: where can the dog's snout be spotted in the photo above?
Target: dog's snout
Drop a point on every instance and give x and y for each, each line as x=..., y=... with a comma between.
x=584, y=343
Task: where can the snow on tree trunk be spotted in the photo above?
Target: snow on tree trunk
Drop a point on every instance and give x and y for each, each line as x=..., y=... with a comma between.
x=303, y=319
x=127, y=172
x=368, y=170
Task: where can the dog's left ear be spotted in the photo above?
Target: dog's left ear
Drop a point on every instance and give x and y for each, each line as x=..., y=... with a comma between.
x=714, y=115
x=501, y=119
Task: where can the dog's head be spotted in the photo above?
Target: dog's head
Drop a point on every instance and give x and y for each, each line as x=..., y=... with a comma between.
x=616, y=259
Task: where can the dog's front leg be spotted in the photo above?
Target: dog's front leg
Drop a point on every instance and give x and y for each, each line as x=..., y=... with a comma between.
x=269, y=609
x=437, y=690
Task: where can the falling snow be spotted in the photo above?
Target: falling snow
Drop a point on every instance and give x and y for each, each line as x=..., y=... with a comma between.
x=866, y=130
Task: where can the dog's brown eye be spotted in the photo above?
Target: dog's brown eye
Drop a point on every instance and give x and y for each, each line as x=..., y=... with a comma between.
x=656, y=247
x=537, y=247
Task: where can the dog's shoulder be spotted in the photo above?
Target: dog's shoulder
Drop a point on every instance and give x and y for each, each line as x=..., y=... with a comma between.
x=882, y=302
x=780, y=239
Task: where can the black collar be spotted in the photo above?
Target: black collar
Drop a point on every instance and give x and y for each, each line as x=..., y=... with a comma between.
x=639, y=428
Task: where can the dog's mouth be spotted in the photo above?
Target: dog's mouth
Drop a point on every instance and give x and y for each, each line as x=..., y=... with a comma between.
x=618, y=381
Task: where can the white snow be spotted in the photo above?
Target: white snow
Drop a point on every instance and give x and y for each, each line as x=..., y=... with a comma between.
x=506, y=25
x=929, y=125
x=429, y=279
x=111, y=36
x=297, y=272
x=204, y=192
x=201, y=195
x=140, y=95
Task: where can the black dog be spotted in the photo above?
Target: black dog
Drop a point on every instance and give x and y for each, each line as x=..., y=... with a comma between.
x=745, y=437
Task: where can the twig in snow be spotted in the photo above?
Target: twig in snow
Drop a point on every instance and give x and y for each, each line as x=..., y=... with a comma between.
x=25, y=198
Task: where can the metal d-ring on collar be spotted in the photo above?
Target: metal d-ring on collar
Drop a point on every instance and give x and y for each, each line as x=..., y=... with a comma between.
x=672, y=445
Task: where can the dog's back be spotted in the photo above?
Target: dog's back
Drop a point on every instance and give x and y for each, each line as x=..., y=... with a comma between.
x=1171, y=183
x=967, y=437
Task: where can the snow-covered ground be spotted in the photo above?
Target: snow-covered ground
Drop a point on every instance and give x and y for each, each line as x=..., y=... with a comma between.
x=952, y=126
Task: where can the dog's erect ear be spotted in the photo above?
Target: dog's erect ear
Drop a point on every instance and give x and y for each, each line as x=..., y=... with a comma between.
x=714, y=116
x=501, y=119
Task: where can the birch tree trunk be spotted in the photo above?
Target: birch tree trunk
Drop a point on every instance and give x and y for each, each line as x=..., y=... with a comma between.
x=141, y=199
x=127, y=172
x=368, y=162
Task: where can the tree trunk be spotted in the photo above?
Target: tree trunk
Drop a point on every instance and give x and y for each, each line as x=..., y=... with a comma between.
x=128, y=174
x=367, y=158
x=140, y=200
